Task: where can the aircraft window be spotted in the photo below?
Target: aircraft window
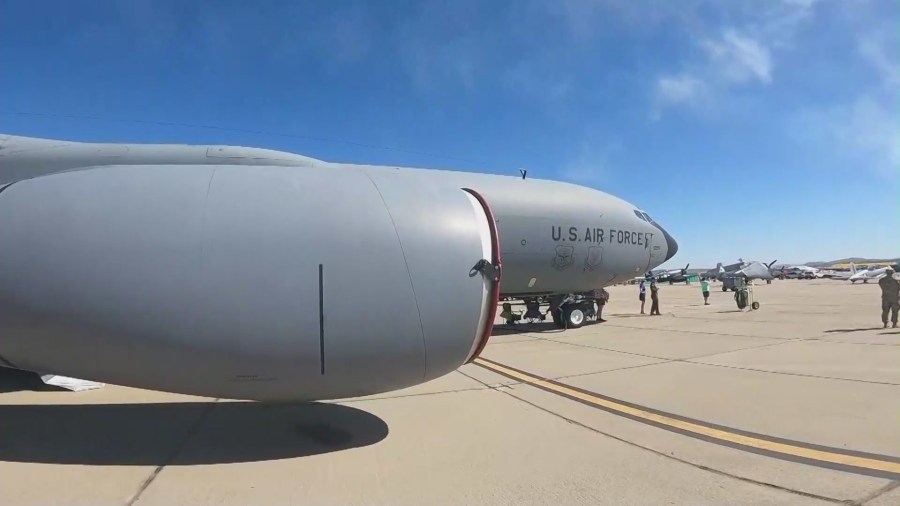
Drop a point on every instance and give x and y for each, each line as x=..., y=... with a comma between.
x=639, y=215
x=648, y=218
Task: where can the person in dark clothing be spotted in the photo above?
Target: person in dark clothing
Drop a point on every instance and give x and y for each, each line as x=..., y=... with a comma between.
x=890, y=297
x=654, y=298
x=602, y=299
x=643, y=295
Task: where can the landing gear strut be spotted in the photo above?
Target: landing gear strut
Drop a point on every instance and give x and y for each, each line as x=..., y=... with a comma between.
x=571, y=312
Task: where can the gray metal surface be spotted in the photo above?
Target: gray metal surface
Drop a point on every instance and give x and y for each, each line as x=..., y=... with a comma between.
x=255, y=274
x=600, y=239
x=205, y=281
x=26, y=157
x=527, y=212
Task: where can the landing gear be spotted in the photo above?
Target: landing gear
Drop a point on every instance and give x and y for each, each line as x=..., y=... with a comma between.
x=572, y=312
x=574, y=316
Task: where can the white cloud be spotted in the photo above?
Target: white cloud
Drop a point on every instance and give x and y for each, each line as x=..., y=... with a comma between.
x=442, y=47
x=452, y=63
x=740, y=54
x=863, y=135
x=592, y=163
x=679, y=89
x=860, y=132
x=806, y=4
x=875, y=46
x=529, y=79
x=873, y=131
x=350, y=34
x=737, y=58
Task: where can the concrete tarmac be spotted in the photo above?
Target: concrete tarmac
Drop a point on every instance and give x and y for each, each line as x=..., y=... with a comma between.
x=792, y=404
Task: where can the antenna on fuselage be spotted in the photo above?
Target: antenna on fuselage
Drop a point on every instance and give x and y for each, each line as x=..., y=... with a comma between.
x=523, y=172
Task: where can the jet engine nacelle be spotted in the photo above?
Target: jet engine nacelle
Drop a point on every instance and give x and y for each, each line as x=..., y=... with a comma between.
x=263, y=283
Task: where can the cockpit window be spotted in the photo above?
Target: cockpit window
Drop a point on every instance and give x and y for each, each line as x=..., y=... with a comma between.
x=639, y=215
x=648, y=218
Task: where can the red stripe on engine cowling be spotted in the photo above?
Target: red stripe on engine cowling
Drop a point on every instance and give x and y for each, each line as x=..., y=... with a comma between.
x=495, y=260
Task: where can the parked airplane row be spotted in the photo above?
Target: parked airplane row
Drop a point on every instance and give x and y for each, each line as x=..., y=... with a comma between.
x=758, y=270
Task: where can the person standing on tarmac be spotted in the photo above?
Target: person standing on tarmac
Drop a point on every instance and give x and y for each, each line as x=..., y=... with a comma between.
x=890, y=297
x=654, y=298
x=602, y=299
x=643, y=295
x=704, y=287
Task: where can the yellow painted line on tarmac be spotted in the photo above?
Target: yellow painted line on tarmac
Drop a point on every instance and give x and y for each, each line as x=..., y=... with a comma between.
x=837, y=458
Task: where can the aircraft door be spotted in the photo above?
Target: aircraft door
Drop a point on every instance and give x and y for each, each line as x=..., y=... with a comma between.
x=655, y=253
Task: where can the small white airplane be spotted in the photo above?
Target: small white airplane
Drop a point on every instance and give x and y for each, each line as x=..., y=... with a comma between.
x=866, y=275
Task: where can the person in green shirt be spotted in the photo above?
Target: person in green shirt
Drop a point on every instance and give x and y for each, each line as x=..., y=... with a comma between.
x=704, y=287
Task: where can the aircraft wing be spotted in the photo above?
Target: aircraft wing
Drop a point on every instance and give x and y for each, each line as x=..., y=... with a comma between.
x=755, y=270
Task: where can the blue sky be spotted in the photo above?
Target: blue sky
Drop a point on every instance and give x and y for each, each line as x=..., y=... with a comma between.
x=754, y=129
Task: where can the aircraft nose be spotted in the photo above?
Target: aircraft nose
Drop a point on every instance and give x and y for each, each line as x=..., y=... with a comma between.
x=671, y=245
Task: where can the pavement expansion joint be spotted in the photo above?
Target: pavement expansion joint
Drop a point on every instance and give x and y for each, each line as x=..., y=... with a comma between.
x=882, y=466
x=669, y=456
x=192, y=431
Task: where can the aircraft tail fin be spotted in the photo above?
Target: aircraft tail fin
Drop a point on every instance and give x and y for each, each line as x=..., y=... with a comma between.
x=852, y=268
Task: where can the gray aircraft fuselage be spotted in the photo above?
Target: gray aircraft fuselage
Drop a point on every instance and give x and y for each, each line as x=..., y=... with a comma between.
x=555, y=237
x=255, y=274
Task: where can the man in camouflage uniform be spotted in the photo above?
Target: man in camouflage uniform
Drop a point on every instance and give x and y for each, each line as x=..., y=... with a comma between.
x=890, y=297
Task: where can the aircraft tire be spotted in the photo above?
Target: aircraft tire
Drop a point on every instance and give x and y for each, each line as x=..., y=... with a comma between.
x=557, y=318
x=741, y=299
x=574, y=316
x=755, y=305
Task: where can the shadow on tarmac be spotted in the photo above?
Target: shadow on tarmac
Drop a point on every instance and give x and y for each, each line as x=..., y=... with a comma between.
x=181, y=433
x=845, y=331
x=527, y=328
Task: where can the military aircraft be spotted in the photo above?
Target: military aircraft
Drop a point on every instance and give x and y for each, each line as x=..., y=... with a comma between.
x=670, y=276
x=748, y=271
x=247, y=273
x=755, y=270
x=719, y=272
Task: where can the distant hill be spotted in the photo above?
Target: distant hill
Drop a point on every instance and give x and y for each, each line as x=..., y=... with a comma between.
x=855, y=260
